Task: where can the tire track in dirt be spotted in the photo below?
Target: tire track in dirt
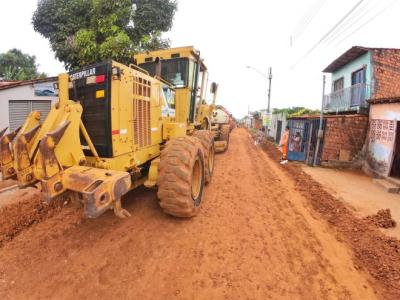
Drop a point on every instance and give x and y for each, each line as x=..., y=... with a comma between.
x=372, y=250
x=253, y=239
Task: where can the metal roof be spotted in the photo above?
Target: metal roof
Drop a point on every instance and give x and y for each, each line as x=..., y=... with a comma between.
x=351, y=54
x=345, y=58
x=11, y=84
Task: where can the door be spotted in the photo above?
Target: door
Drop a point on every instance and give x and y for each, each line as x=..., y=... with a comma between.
x=298, y=136
x=278, y=131
x=395, y=170
x=18, y=110
x=358, y=87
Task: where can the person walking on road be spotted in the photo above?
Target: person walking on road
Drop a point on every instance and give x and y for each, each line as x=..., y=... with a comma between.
x=284, y=145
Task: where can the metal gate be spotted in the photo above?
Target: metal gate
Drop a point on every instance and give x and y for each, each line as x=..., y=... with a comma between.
x=18, y=110
x=303, y=138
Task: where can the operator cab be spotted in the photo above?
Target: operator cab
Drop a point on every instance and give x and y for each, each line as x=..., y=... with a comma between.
x=181, y=67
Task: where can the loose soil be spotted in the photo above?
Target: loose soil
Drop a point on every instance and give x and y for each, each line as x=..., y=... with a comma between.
x=382, y=219
x=7, y=183
x=373, y=251
x=26, y=209
x=264, y=231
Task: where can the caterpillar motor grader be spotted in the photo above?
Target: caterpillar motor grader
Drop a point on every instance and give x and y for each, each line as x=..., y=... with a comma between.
x=117, y=127
x=222, y=124
x=171, y=64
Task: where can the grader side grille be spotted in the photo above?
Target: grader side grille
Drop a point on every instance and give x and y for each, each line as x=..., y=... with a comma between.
x=141, y=123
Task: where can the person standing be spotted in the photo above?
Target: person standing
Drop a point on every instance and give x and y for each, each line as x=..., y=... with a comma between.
x=284, y=144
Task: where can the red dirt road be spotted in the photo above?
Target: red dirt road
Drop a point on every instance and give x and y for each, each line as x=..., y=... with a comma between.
x=254, y=238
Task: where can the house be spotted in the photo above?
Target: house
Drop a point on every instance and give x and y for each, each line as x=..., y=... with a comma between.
x=383, y=151
x=353, y=81
x=367, y=81
x=356, y=78
x=19, y=98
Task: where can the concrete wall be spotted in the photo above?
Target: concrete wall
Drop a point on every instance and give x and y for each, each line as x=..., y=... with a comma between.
x=346, y=71
x=344, y=133
x=381, y=136
x=274, y=124
x=386, y=79
x=25, y=92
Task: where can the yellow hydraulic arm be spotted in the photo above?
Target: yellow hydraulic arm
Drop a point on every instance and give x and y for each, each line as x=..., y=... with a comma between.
x=52, y=154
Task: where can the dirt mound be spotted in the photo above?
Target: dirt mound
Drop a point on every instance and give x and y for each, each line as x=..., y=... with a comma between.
x=29, y=210
x=7, y=183
x=373, y=250
x=382, y=219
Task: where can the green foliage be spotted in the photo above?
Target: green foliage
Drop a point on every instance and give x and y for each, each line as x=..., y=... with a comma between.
x=296, y=111
x=15, y=65
x=83, y=32
x=257, y=115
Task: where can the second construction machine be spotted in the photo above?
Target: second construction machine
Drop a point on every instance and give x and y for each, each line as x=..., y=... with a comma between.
x=117, y=127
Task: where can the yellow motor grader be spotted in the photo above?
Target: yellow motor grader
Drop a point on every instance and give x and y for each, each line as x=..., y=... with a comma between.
x=169, y=64
x=116, y=127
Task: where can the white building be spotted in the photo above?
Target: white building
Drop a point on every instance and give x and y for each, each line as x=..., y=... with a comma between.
x=278, y=125
x=19, y=98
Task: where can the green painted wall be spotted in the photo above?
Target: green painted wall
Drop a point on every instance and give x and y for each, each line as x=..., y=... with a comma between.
x=347, y=70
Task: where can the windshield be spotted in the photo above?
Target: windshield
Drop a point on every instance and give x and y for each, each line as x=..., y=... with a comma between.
x=175, y=71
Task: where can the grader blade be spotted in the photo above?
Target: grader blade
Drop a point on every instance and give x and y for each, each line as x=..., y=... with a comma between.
x=220, y=146
x=6, y=156
x=23, y=163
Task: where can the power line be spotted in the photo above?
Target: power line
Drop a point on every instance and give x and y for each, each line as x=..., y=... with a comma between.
x=308, y=17
x=329, y=32
x=345, y=26
x=368, y=21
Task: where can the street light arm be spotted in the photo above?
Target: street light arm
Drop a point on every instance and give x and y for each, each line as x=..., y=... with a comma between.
x=258, y=71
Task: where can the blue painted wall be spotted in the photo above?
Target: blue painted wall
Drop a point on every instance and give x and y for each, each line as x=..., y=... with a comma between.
x=347, y=70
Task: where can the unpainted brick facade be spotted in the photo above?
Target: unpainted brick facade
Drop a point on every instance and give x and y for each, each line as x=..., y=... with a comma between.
x=347, y=132
x=386, y=73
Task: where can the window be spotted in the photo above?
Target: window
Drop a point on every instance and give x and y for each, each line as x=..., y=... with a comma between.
x=175, y=71
x=358, y=77
x=338, y=84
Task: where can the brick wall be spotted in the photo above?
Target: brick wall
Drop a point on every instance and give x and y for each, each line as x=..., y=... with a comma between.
x=386, y=73
x=346, y=133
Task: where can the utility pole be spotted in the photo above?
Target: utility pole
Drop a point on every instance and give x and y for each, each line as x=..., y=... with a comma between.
x=321, y=119
x=269, y=90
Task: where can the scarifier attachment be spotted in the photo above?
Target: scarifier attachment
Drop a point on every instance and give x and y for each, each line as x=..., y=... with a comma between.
x=6, y=155
x=98, y=189
x=23, y=163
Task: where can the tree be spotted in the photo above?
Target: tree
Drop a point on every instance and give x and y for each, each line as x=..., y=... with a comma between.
x=15, y=65
x=296, y=111
x=83, y=32
x=257, y=115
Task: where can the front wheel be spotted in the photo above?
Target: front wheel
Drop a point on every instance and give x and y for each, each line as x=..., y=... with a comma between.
x=181, y=177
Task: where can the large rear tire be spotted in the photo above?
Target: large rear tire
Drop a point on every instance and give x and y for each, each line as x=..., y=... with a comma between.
x=181, y=177
x=225, y=131
x=206, y=139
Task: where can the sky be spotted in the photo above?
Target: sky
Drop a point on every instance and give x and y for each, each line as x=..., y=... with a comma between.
x=233, y=34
